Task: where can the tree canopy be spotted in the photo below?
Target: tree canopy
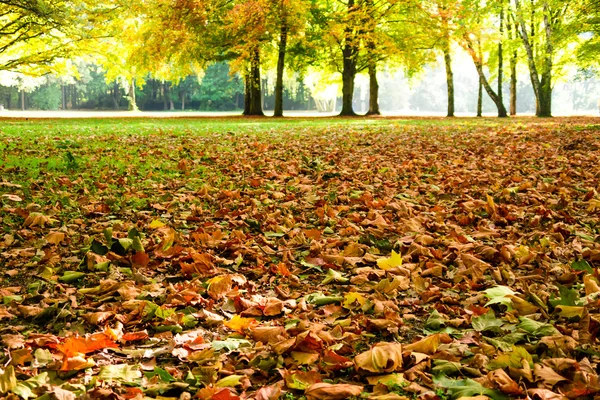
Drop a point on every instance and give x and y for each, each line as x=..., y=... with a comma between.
x=170, y=40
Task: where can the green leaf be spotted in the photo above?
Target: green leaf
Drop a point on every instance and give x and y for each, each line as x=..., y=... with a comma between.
x=230, y=344
x=120, y=372
x=71, y=276
x=137, y=245
x=435, y=322
x=507, y=342
x=499, y=295
x=9, y=299
x=568, y=297
x=42, y=357
x=320, y=299
x=582, y=265
x=445, y=367
x=487, y=322
x=98, y=248
x=108, y=232
x=309, y=265
x=164, y=375
x=458, y=388
x=25, y=389
x=274, y=234
x=229, y=381
x=537, y=328
x=334, y=276
x=126, y=243
x=512, y=359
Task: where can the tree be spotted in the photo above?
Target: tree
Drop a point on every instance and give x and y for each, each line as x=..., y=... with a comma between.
x=473, y=31
x=439, y=17
x=36, y=34
x=549, y=30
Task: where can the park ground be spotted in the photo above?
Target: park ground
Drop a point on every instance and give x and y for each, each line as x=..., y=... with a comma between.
x=316, y=258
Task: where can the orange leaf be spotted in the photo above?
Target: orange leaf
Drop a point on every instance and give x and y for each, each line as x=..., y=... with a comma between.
x=239, y=324
x=77, y=345
x=224, y=394
x=140, y=259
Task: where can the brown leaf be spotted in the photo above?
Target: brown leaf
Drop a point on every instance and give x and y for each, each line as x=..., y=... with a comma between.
x=55, y=237
x=505, y=383
x=271, y=392
x=547, y=376
x=328, y=391
x=383, y=357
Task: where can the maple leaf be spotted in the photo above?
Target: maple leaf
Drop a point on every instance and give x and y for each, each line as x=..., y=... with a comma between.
x=328, y=391
x=240, y=324
x=77, y=345
x=395, y=260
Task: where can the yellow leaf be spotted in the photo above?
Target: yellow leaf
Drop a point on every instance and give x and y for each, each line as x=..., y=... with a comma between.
x=428, y=345
x=238, y=323
x=570, y=311
x=395, y=260
x=156, y=224
x=353, y=297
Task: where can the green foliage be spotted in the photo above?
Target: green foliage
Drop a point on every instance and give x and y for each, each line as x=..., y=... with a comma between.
x=47, y=97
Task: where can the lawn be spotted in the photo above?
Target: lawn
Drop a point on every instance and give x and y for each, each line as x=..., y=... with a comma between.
x=228, y=258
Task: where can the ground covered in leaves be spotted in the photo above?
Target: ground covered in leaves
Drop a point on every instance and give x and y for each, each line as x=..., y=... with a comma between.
x=324, y=259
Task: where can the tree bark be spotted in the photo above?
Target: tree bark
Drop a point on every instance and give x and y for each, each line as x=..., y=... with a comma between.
x=513, y=76
x=64, y=97
x=164, y=95
x=500, y=53
x=115, y=96
x=247, y=94
x=131, y=96
x=349, y=53
x=280, y=68
x=478, y=65
x=449, y=77
x=22, y=100
x=373, y=89
x=542, y=88
x=480, y=99
x=255, y=85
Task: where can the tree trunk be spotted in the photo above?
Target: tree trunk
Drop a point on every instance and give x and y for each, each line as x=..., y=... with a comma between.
x=477, y=60
x=480, y=99
x=541, y=88
x=373, y=87
x=255, y=85
x=183, y=101
x=349, y=53
x=164, y=96
x=500, y=53
x=64, y=97
x=115, y=96
x=131, y=96
x=513, y=75
x=247, y=94
x=449, y=77
x=22, y=100
x=280, y=68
